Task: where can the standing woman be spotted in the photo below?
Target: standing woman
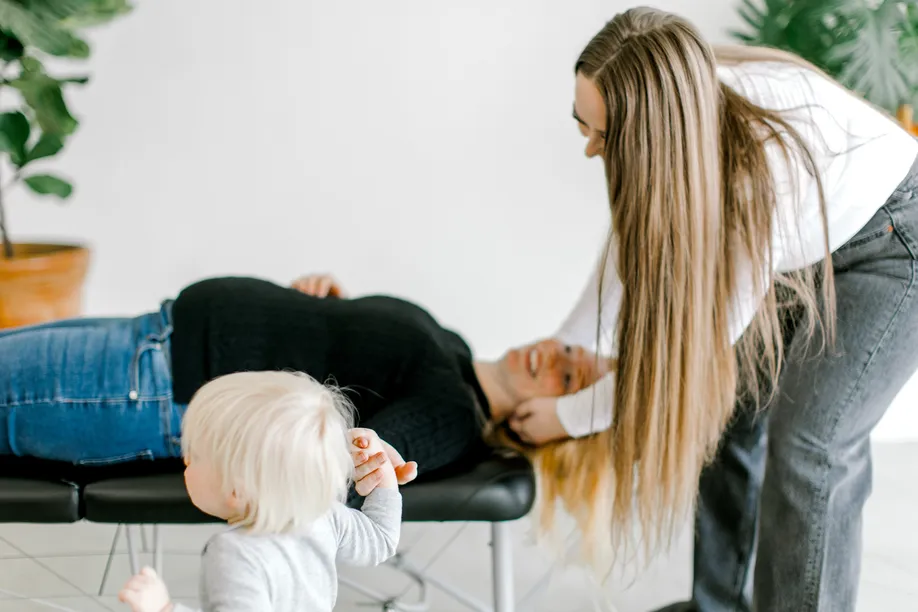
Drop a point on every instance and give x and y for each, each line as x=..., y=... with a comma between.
x=762, y=256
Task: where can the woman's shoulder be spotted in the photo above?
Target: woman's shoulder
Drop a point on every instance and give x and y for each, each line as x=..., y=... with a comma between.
x=396, y=306
x=235, y=294
x=779, y=85
x=432, y=335
x=220, y=284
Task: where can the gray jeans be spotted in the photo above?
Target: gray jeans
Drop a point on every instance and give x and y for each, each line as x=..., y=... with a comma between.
x=778, y=524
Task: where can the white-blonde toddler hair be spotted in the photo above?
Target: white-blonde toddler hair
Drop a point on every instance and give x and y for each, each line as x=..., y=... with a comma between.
x=278, y=440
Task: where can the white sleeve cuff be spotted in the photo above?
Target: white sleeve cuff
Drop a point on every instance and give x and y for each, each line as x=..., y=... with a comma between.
x=589, y=410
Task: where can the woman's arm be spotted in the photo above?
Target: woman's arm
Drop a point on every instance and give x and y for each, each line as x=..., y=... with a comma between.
x=579, y=328
x=590, y=410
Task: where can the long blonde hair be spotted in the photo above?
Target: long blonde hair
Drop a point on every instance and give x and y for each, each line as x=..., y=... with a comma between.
x=690, y=193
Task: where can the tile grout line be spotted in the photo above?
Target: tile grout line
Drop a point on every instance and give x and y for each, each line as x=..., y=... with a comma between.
x=10, y=544
x=40, y=601
x=38, y=562
x=24, y=555
x=171, y=553
x=102, y=605
x=81, y=591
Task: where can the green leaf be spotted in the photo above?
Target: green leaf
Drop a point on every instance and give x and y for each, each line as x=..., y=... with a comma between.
x=14, y=133
x=43, y=94
x=767, y=22
x=45, y=184
x=31, y=64
x=36, y=25
x=751, y=14
x=868, y=59
x=81, y=80
x=807, y=31
x=47, y=146
x=743, y=37
x=908, y=47
x=77, y=14
x=97, y=12
x=56, y=10
x=10, y=47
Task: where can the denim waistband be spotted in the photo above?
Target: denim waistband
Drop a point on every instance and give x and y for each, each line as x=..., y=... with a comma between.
x=909, y=184
x=156, y=335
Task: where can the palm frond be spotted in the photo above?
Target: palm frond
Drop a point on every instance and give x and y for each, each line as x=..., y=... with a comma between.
x=868, y=60
x=752, y=14
x=908, y=51
x=763, y=21
x=871, y=46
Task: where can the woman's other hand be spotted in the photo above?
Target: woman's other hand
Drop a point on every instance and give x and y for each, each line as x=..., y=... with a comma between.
x=367, y=473
x=319, y=285
x=406, y=471
x=536, y=421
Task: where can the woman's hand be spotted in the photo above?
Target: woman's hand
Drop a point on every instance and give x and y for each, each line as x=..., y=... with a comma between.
x=536, y=421
x=367, y=473
x=319, y=285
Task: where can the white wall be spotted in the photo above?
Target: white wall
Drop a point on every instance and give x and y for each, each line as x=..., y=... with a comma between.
x=420, y=148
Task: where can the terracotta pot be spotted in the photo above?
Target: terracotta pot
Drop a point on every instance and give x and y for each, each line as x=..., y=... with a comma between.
x=906, y=116
x=42, y=282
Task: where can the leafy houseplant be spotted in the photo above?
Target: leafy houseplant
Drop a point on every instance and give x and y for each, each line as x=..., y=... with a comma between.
x=870, y=46
x=39, y=282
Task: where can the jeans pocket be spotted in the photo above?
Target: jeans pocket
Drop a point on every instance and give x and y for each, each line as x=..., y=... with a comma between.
x=880, y=225
x=146, y=455
x=863, y=237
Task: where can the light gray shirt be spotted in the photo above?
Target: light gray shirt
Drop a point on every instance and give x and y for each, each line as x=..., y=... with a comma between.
x=296, y=572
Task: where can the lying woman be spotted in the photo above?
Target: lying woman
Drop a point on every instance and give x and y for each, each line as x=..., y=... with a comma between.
x=105, y=391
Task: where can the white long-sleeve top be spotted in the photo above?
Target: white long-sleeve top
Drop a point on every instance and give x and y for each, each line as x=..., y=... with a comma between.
x=862, y=156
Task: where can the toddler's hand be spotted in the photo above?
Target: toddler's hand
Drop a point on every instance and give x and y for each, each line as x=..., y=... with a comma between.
x=146, y=592
x=372, y=467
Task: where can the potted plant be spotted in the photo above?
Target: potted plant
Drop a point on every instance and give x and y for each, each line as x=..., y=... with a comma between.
x=870, y=46
x=40, y=282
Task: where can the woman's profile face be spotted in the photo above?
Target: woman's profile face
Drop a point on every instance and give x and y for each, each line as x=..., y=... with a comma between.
x=590, y=115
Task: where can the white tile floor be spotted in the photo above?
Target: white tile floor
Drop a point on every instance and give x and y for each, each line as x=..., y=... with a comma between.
x=59, y=567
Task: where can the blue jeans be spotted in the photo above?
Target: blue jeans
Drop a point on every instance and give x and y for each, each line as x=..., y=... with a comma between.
x=778, y=522
x=89, y=391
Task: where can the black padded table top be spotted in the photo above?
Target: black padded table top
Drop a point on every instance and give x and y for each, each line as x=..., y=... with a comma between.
x=498, y=489
x=24, y=500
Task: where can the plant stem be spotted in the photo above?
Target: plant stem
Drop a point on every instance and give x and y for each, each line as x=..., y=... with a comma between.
x=7, y=245
x=4, y=237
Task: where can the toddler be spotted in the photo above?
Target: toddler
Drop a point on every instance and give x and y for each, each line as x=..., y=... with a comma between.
x=272, y=453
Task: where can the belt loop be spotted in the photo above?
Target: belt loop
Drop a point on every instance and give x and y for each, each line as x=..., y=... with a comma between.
x=167, y=329
x=156, y=334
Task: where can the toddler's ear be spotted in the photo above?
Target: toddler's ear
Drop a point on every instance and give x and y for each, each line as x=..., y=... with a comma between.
x=236, y=503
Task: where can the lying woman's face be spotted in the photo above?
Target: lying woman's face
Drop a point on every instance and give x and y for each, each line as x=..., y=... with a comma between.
x=551, y=369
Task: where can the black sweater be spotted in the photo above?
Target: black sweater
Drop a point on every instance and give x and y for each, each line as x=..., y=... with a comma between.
x=410, y=379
